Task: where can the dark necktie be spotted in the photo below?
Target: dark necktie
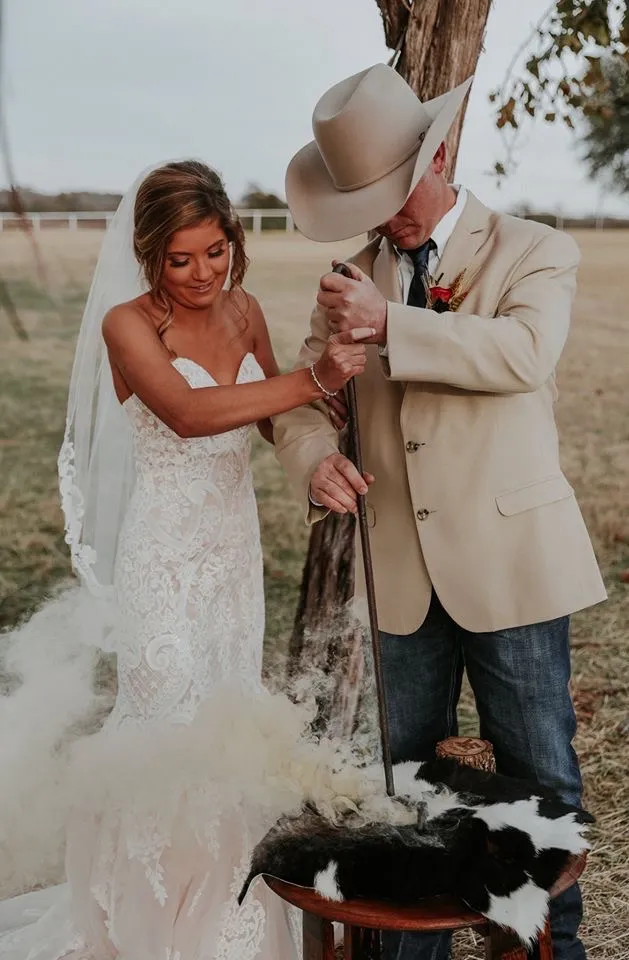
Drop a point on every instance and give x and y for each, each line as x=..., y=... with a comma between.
x=417, y=291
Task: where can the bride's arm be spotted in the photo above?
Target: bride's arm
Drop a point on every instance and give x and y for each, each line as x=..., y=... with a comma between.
x=143, y=361
x=263, y=351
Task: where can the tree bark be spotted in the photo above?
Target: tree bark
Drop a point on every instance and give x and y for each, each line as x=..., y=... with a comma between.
x=439, y=43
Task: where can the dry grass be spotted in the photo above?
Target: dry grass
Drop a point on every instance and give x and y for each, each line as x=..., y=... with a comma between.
x=594, y=427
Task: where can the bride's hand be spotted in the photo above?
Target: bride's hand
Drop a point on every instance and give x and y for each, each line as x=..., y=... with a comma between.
x=344, y=357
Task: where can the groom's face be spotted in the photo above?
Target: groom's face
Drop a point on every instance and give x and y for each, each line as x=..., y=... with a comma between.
x=423, y=210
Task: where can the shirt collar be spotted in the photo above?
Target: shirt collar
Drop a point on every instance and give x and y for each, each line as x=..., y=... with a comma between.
x=445, y=228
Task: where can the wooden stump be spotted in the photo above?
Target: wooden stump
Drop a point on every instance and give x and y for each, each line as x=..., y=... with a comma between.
x=469, y=750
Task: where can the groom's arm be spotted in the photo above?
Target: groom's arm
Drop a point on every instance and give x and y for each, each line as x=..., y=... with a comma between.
x=515, y=351
x=305, y=436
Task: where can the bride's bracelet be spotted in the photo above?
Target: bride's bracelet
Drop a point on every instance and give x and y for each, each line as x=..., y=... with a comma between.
x=313, y=374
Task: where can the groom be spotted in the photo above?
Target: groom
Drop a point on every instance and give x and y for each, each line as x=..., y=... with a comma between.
x=480, y=551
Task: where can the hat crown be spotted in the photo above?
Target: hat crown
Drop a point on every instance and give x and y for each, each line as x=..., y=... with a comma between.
x=368, y=125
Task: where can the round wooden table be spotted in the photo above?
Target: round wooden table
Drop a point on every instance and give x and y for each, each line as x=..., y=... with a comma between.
x=363, y=920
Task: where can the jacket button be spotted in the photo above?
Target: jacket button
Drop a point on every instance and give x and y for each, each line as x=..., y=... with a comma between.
x=412, y=446
x=423, y=513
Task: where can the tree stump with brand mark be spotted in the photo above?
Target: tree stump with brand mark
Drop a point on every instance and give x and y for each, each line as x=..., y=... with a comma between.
x=468, y=750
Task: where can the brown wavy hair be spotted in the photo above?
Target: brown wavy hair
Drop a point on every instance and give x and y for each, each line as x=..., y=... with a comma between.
x=176, y=196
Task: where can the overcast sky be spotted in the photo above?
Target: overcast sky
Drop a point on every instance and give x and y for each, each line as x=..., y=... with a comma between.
x=98, y=89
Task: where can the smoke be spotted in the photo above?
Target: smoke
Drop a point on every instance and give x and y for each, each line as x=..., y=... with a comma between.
x=262, y=753
x=53, y=701
x=335, y=675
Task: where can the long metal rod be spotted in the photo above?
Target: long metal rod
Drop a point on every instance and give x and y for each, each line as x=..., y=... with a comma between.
x=363, y=526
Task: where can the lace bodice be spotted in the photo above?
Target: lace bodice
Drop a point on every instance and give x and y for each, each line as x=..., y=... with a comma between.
x=189, y=568
x=158, y=450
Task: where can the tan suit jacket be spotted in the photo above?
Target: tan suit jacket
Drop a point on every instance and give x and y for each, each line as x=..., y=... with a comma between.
x=457, y=425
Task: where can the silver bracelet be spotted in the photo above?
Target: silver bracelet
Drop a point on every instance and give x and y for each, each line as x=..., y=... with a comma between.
x=319, y=384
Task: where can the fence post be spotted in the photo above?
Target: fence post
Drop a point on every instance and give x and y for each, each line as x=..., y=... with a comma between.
x=290, y=223
x=600, y=212
x=72, y=221
x=257, y=221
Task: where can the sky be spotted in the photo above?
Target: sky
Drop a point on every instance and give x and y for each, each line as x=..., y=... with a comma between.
x=96, y=91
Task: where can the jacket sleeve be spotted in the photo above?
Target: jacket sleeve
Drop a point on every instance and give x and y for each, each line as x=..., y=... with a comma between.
x=515, y=351
x=305, y=436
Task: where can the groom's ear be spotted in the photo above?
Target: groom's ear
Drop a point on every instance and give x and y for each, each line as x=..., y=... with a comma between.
x=440, y=159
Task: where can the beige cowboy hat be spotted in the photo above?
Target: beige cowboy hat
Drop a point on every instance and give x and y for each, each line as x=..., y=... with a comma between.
x=374, y=139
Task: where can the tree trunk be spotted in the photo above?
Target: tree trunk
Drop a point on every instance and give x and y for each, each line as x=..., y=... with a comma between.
x=439, y=43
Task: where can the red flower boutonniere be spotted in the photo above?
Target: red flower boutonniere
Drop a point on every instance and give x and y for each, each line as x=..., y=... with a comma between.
x=443, y=299
x=440, y=298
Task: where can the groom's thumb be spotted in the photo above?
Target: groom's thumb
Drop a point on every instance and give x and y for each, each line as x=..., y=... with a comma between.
x=355, y=271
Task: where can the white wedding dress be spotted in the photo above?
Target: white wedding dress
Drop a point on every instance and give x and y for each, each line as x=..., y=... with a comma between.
x=158, y=845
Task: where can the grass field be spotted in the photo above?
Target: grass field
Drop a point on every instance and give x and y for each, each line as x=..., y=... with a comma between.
x=594, y=425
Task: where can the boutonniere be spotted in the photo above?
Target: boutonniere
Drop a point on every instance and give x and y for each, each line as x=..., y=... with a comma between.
x=444, y=299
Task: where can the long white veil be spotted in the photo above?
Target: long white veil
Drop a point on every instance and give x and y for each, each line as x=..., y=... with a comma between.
x=55, y=652
x=95, y=461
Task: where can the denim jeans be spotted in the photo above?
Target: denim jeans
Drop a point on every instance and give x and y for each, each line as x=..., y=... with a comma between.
x=520, y=682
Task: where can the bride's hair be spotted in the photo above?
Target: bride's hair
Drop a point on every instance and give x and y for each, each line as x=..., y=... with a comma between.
x=178, y=195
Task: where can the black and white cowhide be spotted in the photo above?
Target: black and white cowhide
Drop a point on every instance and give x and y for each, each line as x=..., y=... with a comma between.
x=496, y=843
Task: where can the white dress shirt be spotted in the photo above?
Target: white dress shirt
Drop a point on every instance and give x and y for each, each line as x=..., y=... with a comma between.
x=440, y=236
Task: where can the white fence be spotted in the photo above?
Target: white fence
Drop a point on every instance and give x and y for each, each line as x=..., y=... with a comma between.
x=72, y=220
x=252, y=219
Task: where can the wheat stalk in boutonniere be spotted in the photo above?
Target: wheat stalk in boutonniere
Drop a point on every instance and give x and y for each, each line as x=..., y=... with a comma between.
x=444, y=299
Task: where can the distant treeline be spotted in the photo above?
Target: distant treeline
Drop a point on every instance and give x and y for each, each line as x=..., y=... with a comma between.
x=577, y=223
x=35, y=202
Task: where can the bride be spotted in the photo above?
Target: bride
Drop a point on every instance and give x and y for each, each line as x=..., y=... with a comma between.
x=173, y=365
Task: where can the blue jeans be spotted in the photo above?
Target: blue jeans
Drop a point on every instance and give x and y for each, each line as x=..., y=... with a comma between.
x=520, y=683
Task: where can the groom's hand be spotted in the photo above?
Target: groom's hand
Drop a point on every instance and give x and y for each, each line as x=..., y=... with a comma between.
x=336, y=483
x=353, y=303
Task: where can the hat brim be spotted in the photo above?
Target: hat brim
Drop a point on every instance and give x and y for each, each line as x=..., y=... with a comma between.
x=323, y=213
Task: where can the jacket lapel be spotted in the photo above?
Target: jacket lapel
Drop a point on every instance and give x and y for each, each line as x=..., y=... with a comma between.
x=465, y=241
x=385, y=272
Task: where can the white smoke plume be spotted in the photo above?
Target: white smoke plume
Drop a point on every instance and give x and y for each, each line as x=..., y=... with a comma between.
x=250, y=751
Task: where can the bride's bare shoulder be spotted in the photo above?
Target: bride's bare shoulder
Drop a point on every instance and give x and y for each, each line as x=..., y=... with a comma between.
x=137, y=313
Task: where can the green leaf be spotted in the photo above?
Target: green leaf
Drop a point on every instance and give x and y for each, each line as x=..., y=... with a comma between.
x=506, y=115
x=550, y=117
x=533, y=67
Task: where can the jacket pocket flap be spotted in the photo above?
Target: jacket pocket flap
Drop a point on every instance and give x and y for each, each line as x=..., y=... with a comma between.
x=534, y=495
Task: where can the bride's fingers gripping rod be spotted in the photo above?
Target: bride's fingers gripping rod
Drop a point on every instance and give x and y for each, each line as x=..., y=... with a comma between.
x=356, y=456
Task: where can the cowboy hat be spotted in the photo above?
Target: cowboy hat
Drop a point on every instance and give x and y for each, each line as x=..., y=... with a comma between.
x=374, y=139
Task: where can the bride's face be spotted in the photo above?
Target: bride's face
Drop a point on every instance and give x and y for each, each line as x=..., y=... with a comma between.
x=196, y=265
